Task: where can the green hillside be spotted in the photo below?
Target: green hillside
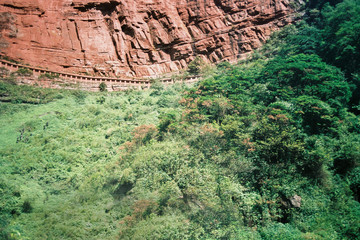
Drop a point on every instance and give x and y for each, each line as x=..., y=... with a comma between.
x=268, y=148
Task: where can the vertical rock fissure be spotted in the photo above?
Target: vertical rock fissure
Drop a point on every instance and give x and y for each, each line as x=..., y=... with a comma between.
x=71, y=41
x=78, y=36
x=116, y=47
x=110, y=26
x=128, y=62
x=81, y=45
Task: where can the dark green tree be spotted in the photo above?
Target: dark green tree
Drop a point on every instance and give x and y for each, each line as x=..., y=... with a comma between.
x=290, y=77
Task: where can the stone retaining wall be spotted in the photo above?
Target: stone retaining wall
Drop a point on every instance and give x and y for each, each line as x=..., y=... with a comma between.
x=83, y=82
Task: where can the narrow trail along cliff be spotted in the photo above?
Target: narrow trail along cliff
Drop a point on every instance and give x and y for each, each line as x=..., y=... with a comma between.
x=135, y=38
x=81, y=82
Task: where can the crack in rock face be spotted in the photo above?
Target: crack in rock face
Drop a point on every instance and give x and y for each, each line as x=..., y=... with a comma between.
x=135, y=37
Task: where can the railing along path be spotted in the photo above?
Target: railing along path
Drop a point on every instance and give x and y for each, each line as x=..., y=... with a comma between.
x=124, y=82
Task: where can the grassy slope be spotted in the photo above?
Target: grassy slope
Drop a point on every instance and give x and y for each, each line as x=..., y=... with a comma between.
x=69, y=176
x=61, y=164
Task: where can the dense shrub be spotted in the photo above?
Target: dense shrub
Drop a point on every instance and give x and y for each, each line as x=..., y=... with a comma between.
x=49, y=76
x=23, y=72
x=196, y=65
x=102, y=87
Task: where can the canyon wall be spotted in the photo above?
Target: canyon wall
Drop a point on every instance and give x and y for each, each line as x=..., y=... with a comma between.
x=135, y=38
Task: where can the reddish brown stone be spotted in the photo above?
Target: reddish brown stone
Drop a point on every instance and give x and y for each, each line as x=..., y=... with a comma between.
x=134, y=37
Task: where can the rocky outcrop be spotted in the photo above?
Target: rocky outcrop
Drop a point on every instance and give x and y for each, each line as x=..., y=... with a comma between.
x=292, y=202
x=135, y=37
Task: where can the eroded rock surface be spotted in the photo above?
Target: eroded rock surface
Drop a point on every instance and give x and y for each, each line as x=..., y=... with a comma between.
x=135, y=37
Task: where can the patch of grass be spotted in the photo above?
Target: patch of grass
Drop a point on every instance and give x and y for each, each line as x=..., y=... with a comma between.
x=49, y=76
x=23, y=72
x=27, y=94
x=59, y=160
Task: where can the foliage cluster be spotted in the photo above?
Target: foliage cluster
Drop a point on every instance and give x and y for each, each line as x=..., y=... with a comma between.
x=49, y=76
x=23, y=72
x=102, y=87
x=332, y=33
x=59, y=160
x=27, y=94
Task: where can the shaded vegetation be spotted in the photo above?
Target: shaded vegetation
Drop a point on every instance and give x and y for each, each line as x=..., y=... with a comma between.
x=26, y=94
x=49, y=76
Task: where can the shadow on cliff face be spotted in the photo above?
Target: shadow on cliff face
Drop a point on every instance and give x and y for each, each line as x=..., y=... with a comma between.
x=7, y=27
x=106, y=8
x=128, y=30
x=6, y=19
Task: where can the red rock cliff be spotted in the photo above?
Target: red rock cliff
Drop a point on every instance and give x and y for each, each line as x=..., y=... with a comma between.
x=134, y=37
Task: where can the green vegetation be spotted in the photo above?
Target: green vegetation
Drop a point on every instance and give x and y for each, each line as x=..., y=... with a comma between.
x=9, y=92
x=265, y=149
x=23, y=72
x=8, y=59
x=58, y=160
x=102, y=87
x=49, y=76
x=195, y=66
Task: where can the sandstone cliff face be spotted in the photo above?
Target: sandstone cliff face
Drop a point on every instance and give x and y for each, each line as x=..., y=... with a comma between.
x=135, y=37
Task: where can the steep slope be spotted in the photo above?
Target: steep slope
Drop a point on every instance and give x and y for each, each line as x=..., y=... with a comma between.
x=135, y=37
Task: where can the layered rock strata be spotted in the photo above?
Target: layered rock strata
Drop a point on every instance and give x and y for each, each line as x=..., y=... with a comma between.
x=135, y=37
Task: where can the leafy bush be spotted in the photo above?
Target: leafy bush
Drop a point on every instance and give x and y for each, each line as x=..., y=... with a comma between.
x=102, y=87
x=4, y=71
x=157, y=87
x=101, y=100
x=49, y=76
x=341, y=33
x=24, y=72
x=305, y=75
x=196, y=65
x=160, y=227
x=27, y=94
